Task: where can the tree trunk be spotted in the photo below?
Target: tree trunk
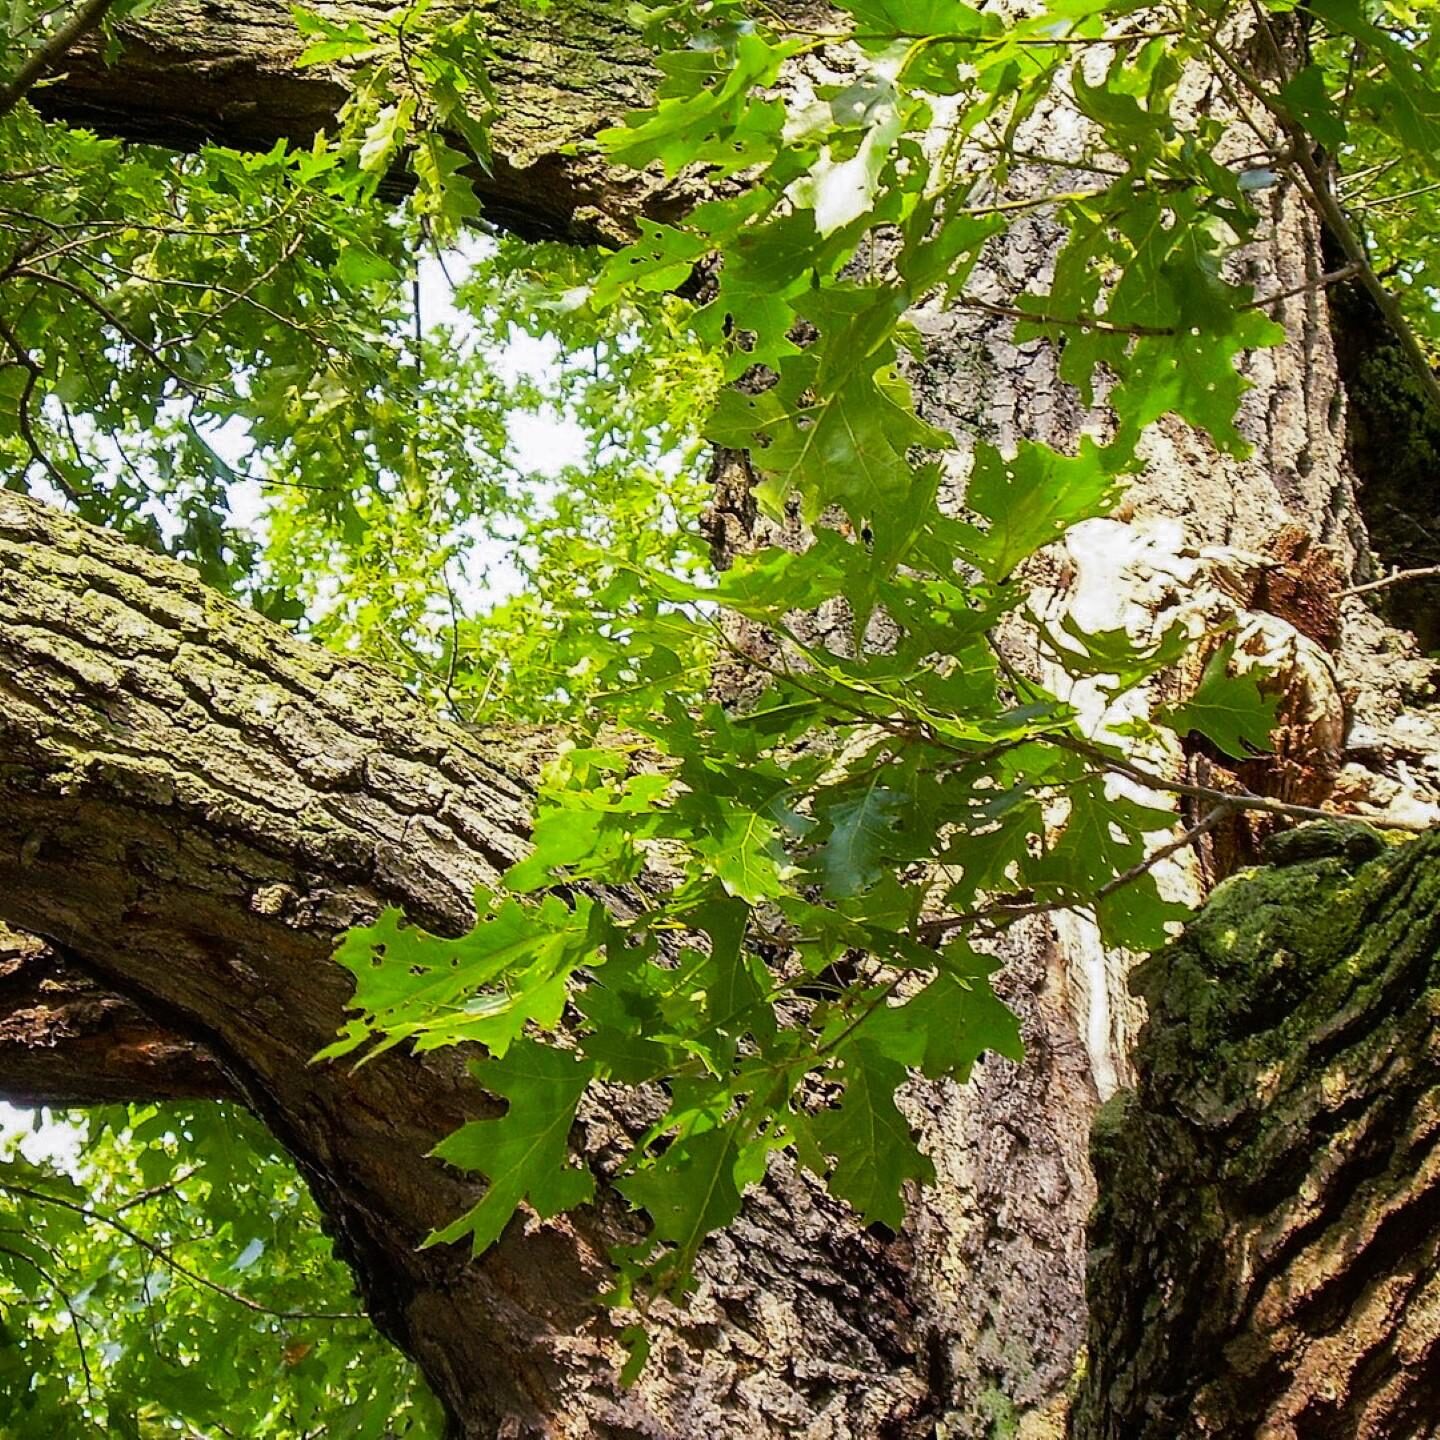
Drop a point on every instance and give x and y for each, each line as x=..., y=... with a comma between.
x=193, y=806
x=1266, y=1253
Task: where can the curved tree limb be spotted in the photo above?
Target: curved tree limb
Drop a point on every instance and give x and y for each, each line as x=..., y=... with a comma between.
x=194, y=805
x=563, y=76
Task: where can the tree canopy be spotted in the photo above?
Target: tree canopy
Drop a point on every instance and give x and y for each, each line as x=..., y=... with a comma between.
x=762, y=908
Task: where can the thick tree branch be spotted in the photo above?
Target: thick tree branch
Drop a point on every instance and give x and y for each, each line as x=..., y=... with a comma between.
x=66, y=1041
x=1265, y=1252
x=195, y=804
x=562, y=76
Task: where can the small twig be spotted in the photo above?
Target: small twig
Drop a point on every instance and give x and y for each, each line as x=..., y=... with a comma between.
x=155, y=1191
x=92, y=227
x=166, y=1258
x=69, y=1305
x=1074, y=322
x=451, y=668
x=86, y=298
x=80, y=24
x=1320, y=282
x=1380, y=200
x=1423, y=572
x=33, y=374
x=933, y=930
x=1245, y=800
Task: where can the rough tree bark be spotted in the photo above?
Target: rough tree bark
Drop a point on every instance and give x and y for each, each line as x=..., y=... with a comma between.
x=563, y=76
x=192, y=806
x=1270, y=1191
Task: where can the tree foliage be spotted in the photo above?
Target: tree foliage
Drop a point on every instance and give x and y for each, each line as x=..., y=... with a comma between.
x=820, y=868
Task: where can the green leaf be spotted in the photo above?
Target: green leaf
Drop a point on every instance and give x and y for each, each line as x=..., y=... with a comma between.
x=883, y=18
x=1102, y=838
x=689, y=1192
x=512, y=968
x=524, y=1155
x=1307, y=97
x=943, y=1029
x=860, y=823
x=743, y=851
x=1228, y=710
x=444, y=191
x=1137, y=917
x=1032, y=500
x=874, y=1149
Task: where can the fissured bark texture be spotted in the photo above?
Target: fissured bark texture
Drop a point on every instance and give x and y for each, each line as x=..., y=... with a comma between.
x=193, y=805
x=1266, y=1253
x=190, y=71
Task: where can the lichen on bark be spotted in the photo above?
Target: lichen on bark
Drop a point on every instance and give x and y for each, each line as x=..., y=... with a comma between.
x=1265, y=1252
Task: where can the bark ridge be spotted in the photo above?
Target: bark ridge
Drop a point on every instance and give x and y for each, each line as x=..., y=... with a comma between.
x=1265, y=1256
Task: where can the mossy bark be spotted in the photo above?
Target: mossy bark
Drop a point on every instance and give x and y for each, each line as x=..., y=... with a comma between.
x=1265, y=1256
x=194, y=805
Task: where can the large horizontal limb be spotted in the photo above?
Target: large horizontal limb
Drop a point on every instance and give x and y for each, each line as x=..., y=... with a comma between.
x=67, y=1041
x=224, y=70
x=195, y=804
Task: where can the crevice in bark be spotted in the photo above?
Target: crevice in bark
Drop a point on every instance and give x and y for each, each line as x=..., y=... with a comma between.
x=67, y=1041
x=1393, y=435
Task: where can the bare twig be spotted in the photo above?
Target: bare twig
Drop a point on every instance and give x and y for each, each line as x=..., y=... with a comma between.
x=1244, y=800
x=166, y=1258
x=24, y=417
x=115, y=322
x=1069, y=322
x=1320, y=282
x=1423, y=572
x=164, y=1188
x=69, y=1305
x=932, y=930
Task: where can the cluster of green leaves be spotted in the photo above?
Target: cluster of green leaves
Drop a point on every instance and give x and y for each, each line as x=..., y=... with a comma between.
x=169, y=1275
x=189, y=343
x=817, y=866
x=810, y=878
